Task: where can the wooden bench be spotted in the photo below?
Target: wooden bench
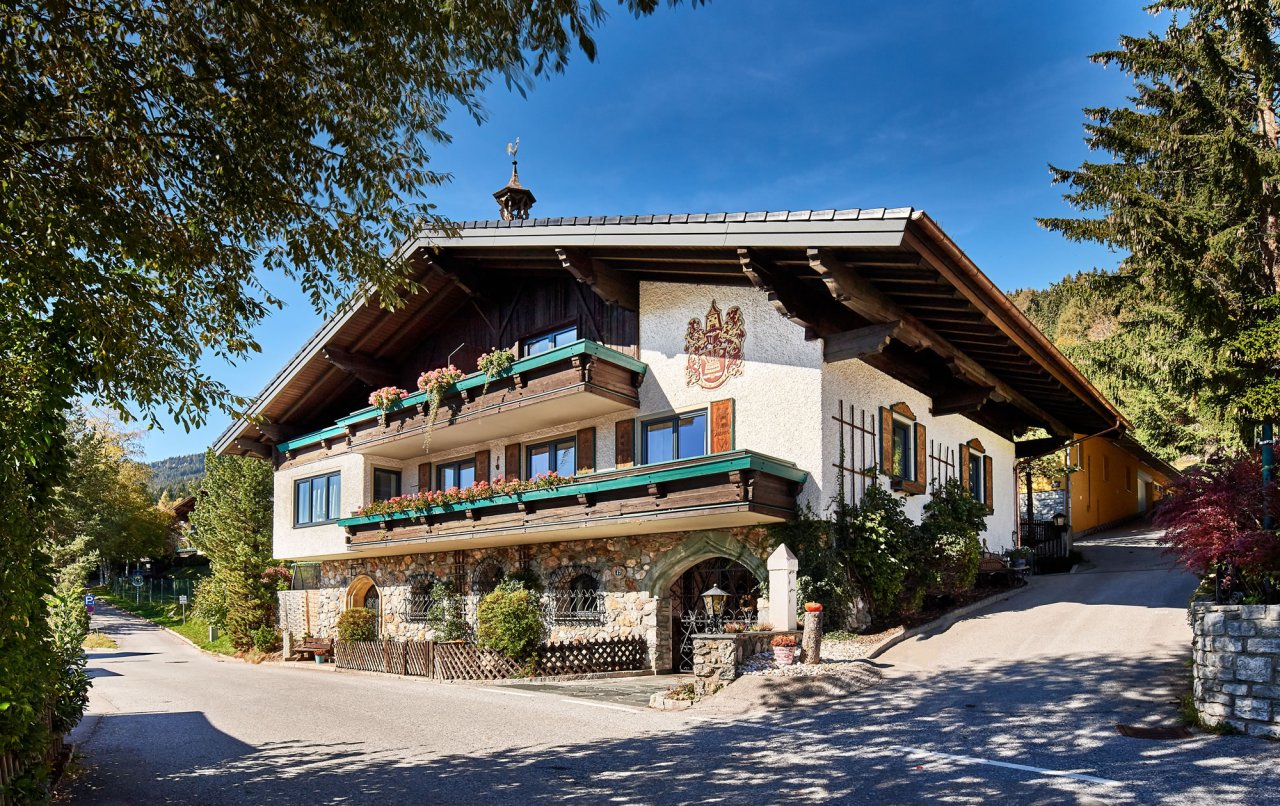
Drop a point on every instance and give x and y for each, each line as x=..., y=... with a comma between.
x=994, y=567
x=310, y=647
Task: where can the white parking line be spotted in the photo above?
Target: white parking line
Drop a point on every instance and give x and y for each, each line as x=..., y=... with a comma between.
x=602, y=705
x=504, y=691
x=918, y=753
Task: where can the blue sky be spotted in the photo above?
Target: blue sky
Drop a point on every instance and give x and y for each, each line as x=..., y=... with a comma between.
x=951, y=107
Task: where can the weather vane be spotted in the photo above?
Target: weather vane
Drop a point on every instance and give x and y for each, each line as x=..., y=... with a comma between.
x=512, y=148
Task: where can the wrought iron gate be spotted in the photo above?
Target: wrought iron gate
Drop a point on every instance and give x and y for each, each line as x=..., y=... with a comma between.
x=689, y=615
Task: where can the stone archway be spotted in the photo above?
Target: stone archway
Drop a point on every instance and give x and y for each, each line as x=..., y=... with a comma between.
x=697, y=548
x=363, y=592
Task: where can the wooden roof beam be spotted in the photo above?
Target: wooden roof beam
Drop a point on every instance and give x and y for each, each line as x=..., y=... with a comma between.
x=363, y=367
x=463, y=278
x=253, y=447
x=612, y=286
x=864, y=299
x=964, y=402
x=783, y=289
x=859, y=343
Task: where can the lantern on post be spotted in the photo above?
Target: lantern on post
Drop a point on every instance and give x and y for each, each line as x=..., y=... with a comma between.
x=713, y=600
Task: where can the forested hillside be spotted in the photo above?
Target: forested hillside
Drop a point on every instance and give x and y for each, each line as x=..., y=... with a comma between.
x=1132, y=352
x=179, y=476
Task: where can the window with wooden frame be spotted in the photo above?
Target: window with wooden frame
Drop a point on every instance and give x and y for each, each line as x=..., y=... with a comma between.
x=317, y=499
x=676, y=436
x=386, y=484
x=975, y=472
x=460, y=474
x=557, y=456
x=903, y=449
x=549, y=340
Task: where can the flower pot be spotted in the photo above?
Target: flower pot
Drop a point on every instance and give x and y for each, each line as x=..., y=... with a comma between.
x=321, y=659
x=784, y=655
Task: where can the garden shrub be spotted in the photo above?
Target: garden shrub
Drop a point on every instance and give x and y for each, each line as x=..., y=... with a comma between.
x=529, y=580
x=882, y=545
x=445, y=615
x=68, y=627
x=509, y=620
x=358, y=624
x=266, y=639
x=1215, y=519
x=952, y=521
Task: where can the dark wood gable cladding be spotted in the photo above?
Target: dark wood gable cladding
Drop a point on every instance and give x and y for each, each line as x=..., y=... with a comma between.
x=906, y=301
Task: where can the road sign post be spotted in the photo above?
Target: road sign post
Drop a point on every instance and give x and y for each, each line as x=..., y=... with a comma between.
x=182, y=600
x=137, y=588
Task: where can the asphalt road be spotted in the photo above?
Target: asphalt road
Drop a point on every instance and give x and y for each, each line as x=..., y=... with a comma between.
x=1015, y=705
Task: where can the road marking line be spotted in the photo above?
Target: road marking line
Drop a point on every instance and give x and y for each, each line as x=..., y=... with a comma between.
x=602, y=705
x=915, y=751
x=504, y=691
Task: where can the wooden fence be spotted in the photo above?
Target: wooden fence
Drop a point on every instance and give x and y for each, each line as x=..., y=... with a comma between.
x=11, y=769
x=587, y=657
x=463, y=661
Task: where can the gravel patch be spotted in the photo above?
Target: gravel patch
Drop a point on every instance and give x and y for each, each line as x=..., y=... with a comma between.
x=837, y=658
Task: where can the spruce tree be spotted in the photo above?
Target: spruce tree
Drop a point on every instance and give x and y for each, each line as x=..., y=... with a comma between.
x=1192, y=194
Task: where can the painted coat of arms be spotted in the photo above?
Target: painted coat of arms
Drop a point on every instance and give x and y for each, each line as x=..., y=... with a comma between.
x=714, y=348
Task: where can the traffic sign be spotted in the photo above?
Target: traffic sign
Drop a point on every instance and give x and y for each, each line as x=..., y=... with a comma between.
x=137, y=580
x=182, y=598
x=88, y=600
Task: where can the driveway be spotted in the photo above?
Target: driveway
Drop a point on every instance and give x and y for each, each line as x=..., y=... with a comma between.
x=1017, y=704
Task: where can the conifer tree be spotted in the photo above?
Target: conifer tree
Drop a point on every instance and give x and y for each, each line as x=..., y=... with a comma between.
x=1192, y=193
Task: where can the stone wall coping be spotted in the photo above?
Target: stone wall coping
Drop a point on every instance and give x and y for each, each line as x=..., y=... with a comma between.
x=722, y=635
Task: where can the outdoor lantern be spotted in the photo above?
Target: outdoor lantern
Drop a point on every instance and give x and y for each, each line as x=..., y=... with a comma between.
x=1060, y=520
x=714, y=600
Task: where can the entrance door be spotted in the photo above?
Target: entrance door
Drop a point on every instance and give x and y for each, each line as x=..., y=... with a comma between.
x=688, y=613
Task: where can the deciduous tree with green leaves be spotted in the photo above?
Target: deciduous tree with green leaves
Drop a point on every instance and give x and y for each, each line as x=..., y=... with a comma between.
x=156, y=158
x=1192, y=194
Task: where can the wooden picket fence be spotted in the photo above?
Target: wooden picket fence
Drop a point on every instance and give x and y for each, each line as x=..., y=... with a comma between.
x=457, y=660
x=11, y=769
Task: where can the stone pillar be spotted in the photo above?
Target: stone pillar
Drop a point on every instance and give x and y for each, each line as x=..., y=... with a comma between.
x=782, y=588
x=715, y=663
x=811, y=642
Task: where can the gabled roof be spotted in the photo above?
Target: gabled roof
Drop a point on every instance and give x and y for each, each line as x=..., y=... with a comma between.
x=851, y=277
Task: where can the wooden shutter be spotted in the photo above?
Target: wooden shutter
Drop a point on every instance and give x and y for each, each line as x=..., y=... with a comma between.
x=964, y=465
x=585, y=452
x=921, y=482
x=512, y=472
x=986, y=484
x=624, y=443
x=886, y=441
x=483, y=466
x=722, y=426
x=424, y=477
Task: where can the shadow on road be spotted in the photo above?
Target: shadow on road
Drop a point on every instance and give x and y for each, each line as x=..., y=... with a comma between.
x=1056, y=715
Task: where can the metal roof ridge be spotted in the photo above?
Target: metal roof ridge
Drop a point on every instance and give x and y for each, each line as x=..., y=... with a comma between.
x=641, y=219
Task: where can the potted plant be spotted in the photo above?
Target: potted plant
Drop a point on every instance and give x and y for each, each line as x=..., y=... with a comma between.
x=434, y=383
x=491, y=363
x=385, y=399
x=812, y=607
x=784, y=649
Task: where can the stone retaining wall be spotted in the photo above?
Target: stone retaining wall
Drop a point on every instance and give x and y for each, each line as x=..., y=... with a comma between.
x=717, y=656
x=1237, y=666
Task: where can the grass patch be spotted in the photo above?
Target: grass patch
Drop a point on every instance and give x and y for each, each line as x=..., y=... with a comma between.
x=169, y=615
x=1191, y=718
x=96, y=640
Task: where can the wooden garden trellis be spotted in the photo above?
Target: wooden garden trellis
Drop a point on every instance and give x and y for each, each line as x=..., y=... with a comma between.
x=462, y=661
x=942, y=463
x=859, y=449
x=587, y=657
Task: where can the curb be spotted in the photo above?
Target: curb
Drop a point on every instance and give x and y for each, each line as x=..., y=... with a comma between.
x=179, y=636
x=946, y=620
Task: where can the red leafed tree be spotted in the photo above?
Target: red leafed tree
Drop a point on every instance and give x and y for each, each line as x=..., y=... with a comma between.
x=1216, y=515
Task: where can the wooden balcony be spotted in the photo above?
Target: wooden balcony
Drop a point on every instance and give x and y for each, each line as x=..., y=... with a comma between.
x=736, y=488
x=571, y=383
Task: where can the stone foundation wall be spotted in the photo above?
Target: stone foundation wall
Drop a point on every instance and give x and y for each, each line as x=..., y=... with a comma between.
x=624, y=566
x=717, y=656
x=1237, y=666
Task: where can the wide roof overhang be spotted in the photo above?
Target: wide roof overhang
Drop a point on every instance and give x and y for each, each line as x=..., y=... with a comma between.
x=887, y=286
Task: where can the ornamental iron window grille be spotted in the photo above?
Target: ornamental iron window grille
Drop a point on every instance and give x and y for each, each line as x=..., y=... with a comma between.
x=485, y=579
x=574, y=597
x=421, y=599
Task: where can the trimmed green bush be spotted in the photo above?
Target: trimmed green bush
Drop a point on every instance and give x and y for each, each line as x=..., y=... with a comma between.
x=509, y=620
x=952, y=521
x=445, y=615
x=358, y=624
x=266, y=639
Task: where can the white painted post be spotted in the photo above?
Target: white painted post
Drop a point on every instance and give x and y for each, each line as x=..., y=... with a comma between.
x=782, y=567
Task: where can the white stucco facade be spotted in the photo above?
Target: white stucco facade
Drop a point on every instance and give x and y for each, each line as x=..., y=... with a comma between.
x=785, y=402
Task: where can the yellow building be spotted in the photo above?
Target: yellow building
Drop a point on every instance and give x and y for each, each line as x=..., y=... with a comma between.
x=1118, y=480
